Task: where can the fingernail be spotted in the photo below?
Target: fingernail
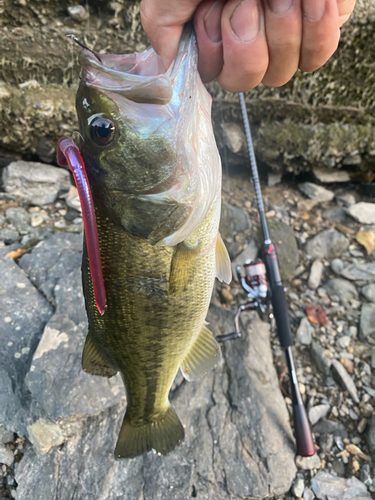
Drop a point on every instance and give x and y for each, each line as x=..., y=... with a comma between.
x=245, y=20
x=212, y=21
x=280, y=6
x=314, y=9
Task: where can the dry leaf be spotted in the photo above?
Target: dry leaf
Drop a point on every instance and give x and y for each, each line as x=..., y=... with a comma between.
x=367, y=239
x=316, y=314
x=17, y=253
x=354, y=450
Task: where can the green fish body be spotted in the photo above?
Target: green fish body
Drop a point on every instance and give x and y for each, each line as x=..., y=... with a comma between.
x=155, y=179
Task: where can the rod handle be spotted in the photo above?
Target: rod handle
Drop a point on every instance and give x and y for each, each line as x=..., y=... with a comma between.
x=305, y=445
x=280, y=311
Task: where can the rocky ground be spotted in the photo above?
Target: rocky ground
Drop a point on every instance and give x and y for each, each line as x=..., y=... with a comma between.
x=59, y=425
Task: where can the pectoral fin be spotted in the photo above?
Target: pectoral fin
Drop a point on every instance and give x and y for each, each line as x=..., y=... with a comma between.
x=203, y=356
x=93, y=362
x=223, y=266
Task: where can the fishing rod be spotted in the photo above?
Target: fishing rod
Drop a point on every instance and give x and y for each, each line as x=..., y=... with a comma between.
x=305, y=445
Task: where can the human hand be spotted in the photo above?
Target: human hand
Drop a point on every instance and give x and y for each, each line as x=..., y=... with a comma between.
x=243, y=43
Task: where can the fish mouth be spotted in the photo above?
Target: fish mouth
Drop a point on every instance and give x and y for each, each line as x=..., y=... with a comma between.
x=140, y=77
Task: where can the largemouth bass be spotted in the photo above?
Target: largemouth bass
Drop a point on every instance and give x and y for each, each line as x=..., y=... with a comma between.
x=155, y=178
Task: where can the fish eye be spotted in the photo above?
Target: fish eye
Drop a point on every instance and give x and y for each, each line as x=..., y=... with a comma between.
x=102, y=131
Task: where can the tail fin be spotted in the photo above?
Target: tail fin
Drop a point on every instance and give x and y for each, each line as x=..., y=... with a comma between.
x=161, y=435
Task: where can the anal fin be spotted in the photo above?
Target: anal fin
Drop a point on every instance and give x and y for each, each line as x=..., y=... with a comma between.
x=203, y=356
x=223, y=266
x=93, y=362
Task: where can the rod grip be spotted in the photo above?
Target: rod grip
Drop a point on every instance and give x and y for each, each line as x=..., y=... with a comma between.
x=280, y=311
x=305, y=445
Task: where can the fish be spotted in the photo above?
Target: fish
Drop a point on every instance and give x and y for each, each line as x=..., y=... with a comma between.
x=154, y=175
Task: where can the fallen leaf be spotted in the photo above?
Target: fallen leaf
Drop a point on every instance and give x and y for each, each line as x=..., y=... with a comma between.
x=344, y=229
x=366, y=239
x=354, y=450
x=316, y=314
x=17, y=253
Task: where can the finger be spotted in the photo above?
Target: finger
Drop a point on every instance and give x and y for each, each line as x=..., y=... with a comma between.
x=207, y=23
x=345, y=7
x=320, y=33
x=244, y=45
x=283, y=24
x=163, y=23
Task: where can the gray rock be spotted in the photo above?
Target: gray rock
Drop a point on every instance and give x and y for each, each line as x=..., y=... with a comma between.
x=337, y=266
x=35, y=183
x=24, y=313
x=369, y=292
x=8, y=236
x=325, y=427
x=78, y=13
x=234, y=136
x=315, y=274
x=343, y=342
x=6, y=436
x=326, y=442
x=308, y=463
x=298, y=486
x=304, y=332
x=328, y=487
x=6, y=455
x=216, y=443
x=371, y=436
x=335, y=214
x=346, y=198
x=273, y=179
x=344, y=289
x=365, y=475
x=328, y=175
x=367, y=321
x=362, y=212
x=320, y=359
x=285, y=241
x=328, y=244
x=308, y=494
x=344, y=379
x=44, y=435
x=249, y=253
x=360, y=271
x=315, y=192
x=20, y=219
x=233, y=220
x=318, y=412
x=56, y=380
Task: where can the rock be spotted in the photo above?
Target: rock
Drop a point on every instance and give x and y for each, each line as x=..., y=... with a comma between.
x=23, y=312
x=315, y=192
x=6, y=436
x=250, y=252
x=298, y=486
x=346, y=199
x=337, y=266
x=56, y=379
x=35, y=183
x=44, y=435
x=318, y=412
x=315, y=274
x=72, y=200
x=234, y=136
x=308, y=494
x=320, y=359
x=309, y=463
x=215, y=443
x=360, y=271
x=328, y=175
x=233, y=220
x=326, y=442
x=371, y=436
x=78, y=13
x=365, y=475
x=343, y=342
x=345, y=380
x=338, y=467
x=273, y=179
x=369, y=292
x=367, y=321
x=343, y=289
x=325, y=427
x=327, y=245
x=304, y=332
x=362, y=212
x=284, y=239
x=6, y=455
x=328, y=487
x=20, y=219
x=9, y=236
x=335, y=214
